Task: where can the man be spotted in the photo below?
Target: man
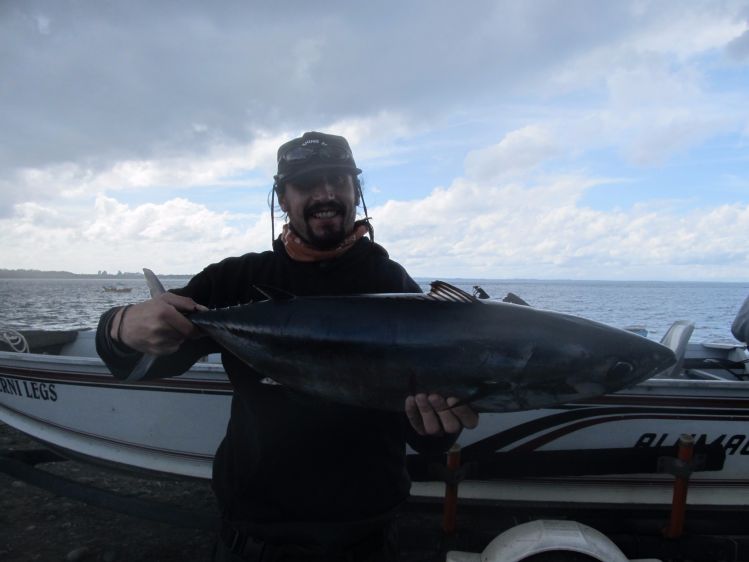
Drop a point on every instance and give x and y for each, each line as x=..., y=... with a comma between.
x=296, y=477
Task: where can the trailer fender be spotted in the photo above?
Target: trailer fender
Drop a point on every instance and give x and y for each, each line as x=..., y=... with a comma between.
x=545, y=539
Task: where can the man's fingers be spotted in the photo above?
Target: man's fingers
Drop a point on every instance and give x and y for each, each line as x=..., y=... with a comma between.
x=433, y=415
x=431, y=421
x=412, y=412
x=175, y=317
x=468, y=418
x=183, y=304
x=158, y=326
x=450, y=422
x=180, y=323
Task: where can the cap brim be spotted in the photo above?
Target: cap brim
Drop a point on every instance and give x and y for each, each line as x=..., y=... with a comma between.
x=316, y=168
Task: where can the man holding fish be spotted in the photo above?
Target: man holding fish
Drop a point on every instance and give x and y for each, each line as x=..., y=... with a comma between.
x=296, y=477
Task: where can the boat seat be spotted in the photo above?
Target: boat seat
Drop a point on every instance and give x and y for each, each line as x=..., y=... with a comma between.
x=676, y=339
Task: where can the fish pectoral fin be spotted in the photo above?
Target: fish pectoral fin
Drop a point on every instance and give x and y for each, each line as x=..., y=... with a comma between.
x=484, y=389
x=154, y=285
x=442, y=291
x=274, y=293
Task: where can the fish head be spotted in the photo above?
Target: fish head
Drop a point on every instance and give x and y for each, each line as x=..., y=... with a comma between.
x=634, y=360
x=569, y=367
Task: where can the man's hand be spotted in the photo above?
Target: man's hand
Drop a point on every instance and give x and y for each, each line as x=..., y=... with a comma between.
x=433, y=415
x=157, y=326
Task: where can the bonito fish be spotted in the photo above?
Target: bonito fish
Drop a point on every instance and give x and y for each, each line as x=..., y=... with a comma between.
x=375, y=350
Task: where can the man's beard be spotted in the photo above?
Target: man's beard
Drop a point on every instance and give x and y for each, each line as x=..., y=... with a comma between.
x=329, y=240
x=332, y=234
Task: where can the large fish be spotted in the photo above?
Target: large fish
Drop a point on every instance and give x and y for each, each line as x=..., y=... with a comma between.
x=375, y=350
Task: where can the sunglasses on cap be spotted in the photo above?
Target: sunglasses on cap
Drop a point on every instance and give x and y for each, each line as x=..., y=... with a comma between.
x=320, y=151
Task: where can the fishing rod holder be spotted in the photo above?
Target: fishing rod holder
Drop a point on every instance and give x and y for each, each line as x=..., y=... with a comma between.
x=679, y=468
x=682, y=463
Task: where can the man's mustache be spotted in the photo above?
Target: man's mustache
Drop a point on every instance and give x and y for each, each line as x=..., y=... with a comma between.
x=327, y=206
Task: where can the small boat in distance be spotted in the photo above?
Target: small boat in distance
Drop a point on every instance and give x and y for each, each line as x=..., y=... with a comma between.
x=115, y=289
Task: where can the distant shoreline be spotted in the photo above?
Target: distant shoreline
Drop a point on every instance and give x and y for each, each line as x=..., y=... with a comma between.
x=37, y=274
x=103, y=275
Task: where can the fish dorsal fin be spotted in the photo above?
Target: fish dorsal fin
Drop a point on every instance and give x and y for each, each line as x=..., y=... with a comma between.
x=274, y=293
x=442, y=291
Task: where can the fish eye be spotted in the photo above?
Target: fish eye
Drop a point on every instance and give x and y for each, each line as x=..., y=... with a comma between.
x=620, y=369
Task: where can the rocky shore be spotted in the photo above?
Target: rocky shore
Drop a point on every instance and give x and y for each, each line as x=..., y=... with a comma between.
x=39, y=525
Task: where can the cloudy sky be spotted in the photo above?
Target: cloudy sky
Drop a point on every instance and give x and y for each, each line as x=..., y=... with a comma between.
x=499, y=139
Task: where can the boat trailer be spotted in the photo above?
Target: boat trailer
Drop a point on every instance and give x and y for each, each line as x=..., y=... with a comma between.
x=454, y=530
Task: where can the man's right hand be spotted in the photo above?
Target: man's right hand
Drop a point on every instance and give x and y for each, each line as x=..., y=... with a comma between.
x=157, y=326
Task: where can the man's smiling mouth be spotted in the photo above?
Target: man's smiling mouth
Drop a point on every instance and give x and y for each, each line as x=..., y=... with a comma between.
x=325, y=214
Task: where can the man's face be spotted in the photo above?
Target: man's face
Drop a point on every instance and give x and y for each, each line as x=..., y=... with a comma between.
x=321, y=207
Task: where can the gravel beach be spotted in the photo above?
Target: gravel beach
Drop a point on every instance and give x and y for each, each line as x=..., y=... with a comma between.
x=39, y=525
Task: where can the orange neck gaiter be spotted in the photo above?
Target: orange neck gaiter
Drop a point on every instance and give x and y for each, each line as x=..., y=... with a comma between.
x=299, y=250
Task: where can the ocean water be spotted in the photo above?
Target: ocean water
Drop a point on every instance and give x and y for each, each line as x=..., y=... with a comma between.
x=63, y=304
x=652, y=305
x=78, y=303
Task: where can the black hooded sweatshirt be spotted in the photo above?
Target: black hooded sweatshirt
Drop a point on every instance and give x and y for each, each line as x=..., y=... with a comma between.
x=288, y=457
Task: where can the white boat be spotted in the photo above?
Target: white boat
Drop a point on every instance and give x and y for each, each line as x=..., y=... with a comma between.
x=116, y=289
x=62, y=395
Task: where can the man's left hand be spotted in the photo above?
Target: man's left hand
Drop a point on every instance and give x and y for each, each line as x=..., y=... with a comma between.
x=433, y=415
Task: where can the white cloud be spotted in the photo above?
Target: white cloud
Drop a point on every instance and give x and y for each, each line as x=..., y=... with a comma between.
x=176, y=236
x=656, y=110
x=211, y=168
x=42, y=24
x=215, y=167
x=518, y=152
x=175, y=220
x=470, y=230
x=703, y=27
x=100, y=106
x=738, y=48
x=103, y=82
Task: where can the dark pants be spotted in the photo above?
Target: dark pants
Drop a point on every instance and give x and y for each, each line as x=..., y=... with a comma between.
x=379, y=546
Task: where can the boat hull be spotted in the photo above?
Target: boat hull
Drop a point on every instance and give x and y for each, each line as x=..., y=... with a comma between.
x=653, y=414
x=173, y=426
